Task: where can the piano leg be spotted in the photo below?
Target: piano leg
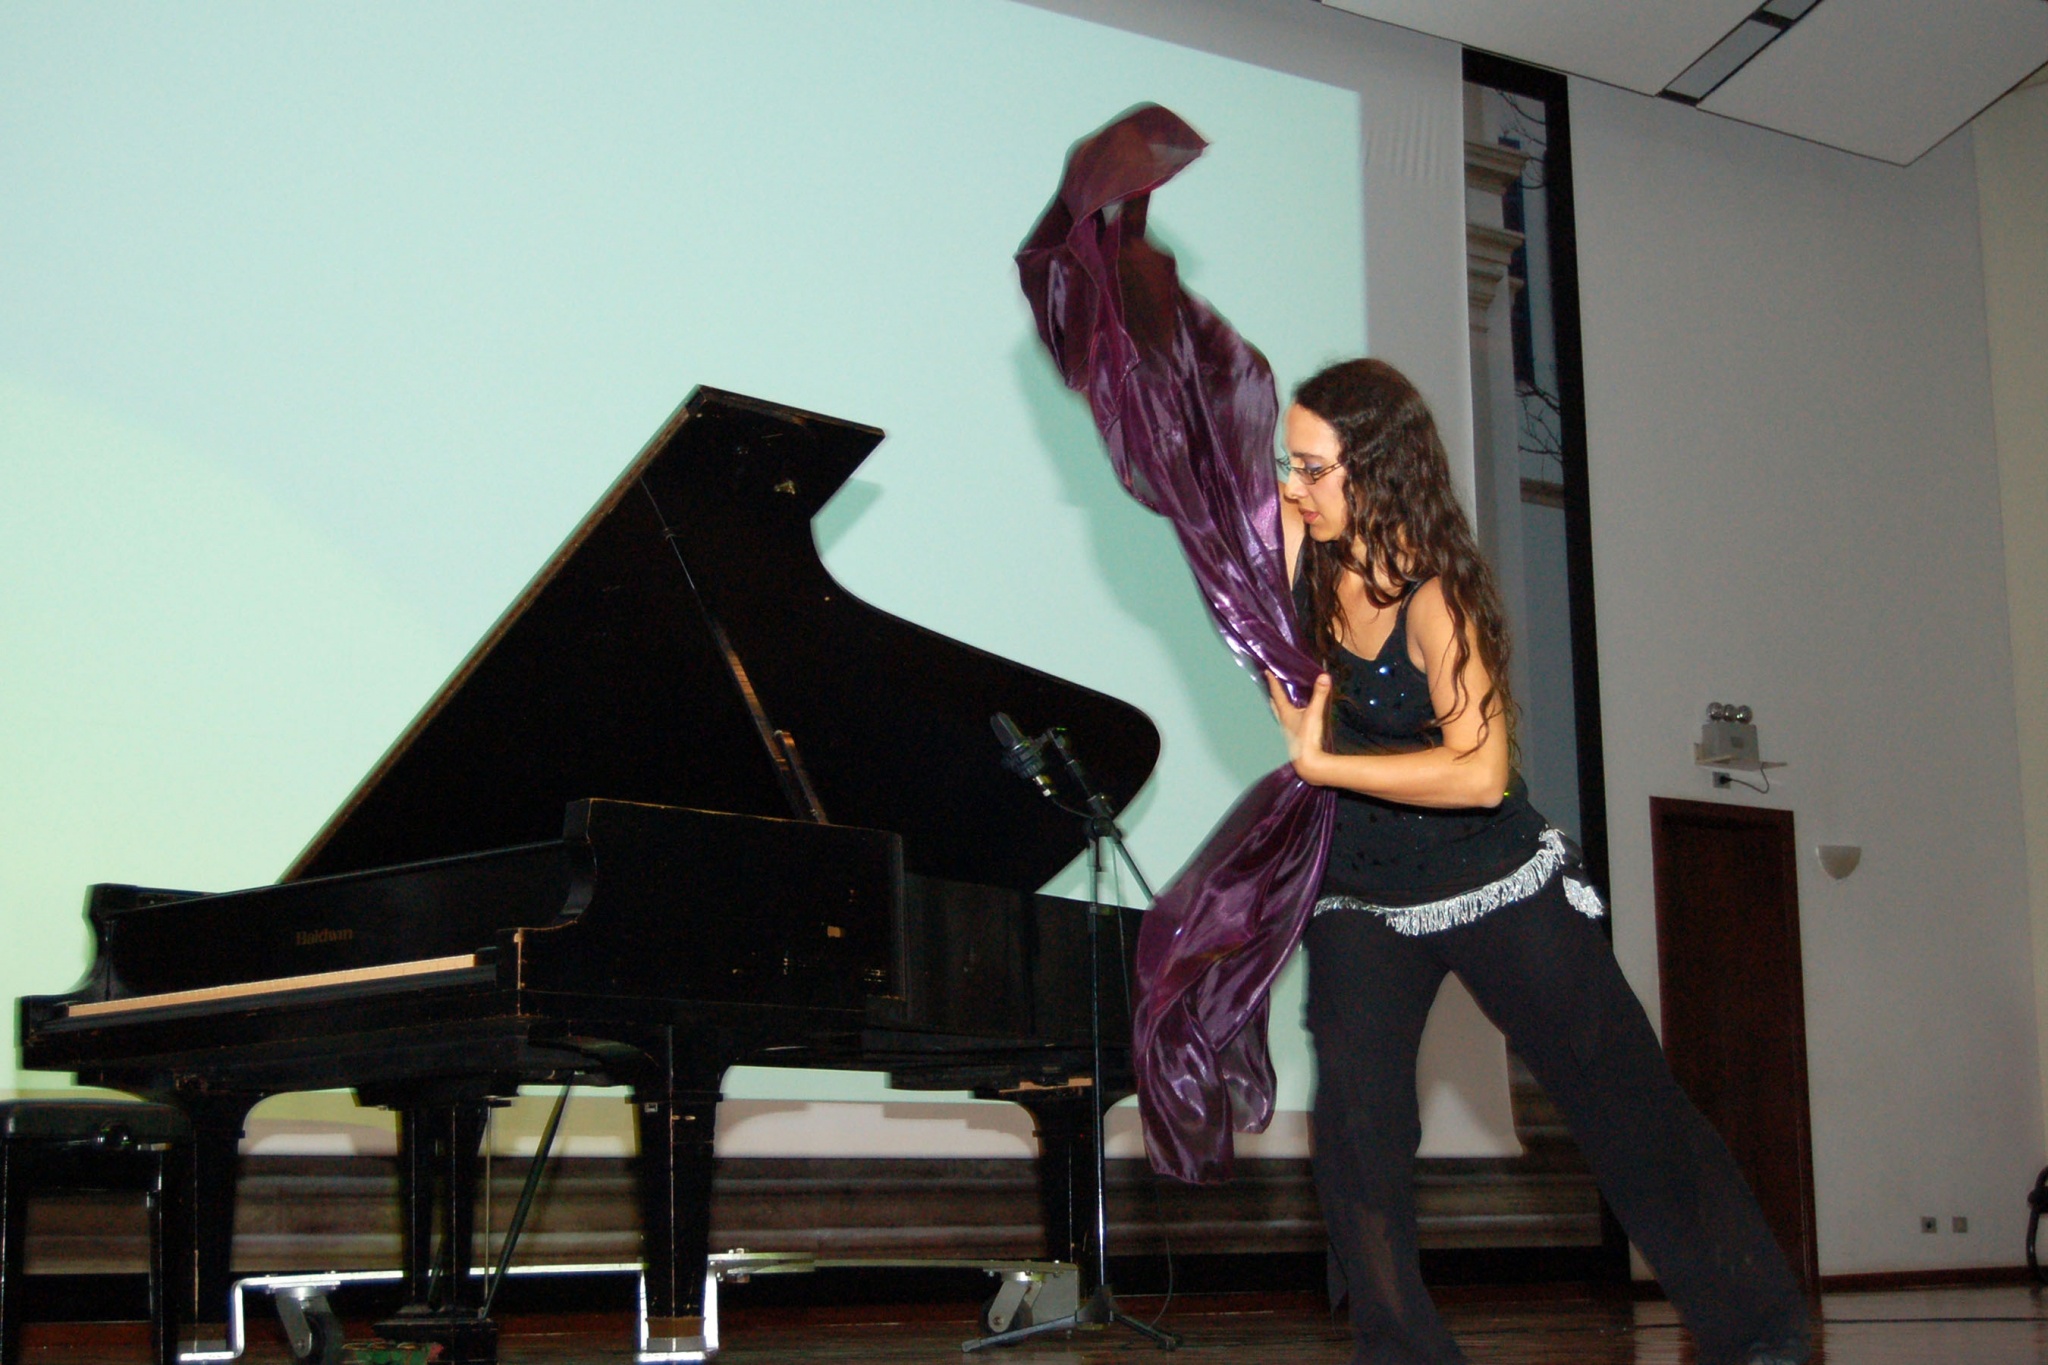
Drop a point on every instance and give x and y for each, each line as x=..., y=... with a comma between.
x=416, y=1202
x=171, y=1268
x=205, y=1244
x=1065, y=1120
x=438, y=1169
x=677, y=1115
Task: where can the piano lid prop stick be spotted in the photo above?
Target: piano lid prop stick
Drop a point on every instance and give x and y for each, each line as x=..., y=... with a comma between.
x=780, y=744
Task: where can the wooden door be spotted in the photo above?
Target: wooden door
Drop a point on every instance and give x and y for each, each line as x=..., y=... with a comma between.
x=1734, y=1000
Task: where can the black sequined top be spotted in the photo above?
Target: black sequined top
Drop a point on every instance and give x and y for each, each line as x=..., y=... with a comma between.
x=1391, y=854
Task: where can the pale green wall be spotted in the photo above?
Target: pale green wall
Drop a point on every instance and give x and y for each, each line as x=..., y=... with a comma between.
x=319, y=327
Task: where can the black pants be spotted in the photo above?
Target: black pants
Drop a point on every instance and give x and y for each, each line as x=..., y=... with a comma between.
x=1546, y=976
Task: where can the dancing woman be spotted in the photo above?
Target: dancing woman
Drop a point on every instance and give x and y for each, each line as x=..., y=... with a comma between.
x=1401, y=845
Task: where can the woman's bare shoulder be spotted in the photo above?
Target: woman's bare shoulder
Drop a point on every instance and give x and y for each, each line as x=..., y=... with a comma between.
x=1427, y=603
x=1429, y=620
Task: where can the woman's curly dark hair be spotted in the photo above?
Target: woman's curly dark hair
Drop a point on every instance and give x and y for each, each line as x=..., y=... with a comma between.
x=1406, y=526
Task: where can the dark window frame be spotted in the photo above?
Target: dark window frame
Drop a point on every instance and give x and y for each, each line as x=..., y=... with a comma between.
x=1518, y=78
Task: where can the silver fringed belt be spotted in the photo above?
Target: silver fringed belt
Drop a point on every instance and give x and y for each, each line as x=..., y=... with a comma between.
x=1551, y=859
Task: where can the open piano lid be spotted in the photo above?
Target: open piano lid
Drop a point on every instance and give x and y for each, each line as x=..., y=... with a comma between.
x=608, y=678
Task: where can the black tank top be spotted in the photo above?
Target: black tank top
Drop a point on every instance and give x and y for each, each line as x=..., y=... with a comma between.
x=1391, y=854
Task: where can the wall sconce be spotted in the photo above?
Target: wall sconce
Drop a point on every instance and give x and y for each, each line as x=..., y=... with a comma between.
x=1839, y=860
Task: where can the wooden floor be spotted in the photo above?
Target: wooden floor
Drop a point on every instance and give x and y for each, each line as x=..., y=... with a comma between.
x=1988, y=1326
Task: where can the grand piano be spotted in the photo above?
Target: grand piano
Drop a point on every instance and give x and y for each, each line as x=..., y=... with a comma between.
x=688, y=805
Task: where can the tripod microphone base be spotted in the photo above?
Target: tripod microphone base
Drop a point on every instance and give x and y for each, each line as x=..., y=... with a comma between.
x=1099, y=1312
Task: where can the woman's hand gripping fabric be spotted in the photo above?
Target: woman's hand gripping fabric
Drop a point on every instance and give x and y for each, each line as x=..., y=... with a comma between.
x=1304, y=727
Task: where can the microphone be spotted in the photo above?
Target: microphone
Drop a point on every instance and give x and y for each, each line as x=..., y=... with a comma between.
x=1021, y=756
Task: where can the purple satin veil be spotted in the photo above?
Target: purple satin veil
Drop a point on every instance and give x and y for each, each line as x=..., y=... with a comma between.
x=1187, y=409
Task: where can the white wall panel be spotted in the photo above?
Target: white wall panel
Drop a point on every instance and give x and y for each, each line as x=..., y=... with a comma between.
x=1795, y=505
x=2011, y=142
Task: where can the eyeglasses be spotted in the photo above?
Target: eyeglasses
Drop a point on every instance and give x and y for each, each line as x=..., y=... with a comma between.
x=1287, y=469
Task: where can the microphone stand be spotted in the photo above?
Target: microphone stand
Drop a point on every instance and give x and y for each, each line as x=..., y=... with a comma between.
x=1100, y=1311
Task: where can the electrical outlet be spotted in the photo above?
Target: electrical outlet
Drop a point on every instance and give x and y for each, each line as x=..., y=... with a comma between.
x=1930, y=1224
x=1958, y=1224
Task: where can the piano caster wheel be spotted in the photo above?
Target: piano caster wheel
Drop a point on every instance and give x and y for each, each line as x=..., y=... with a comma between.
x=327, y=1343
x=311, y=1327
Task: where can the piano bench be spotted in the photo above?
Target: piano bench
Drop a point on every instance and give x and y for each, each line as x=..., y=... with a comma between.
x=55, y=1146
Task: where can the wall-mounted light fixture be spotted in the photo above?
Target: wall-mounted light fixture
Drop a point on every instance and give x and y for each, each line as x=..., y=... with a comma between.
x=1728, y=739
x=1728, y=742
x=1838, y=860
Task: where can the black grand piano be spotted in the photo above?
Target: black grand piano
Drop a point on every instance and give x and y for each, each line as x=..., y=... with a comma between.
x=688, y=805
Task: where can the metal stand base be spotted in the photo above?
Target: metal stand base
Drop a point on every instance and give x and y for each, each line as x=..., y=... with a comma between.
x=465, y=1338
x=1099, y=1312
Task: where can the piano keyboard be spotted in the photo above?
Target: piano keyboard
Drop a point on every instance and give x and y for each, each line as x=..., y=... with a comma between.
x=279, y=985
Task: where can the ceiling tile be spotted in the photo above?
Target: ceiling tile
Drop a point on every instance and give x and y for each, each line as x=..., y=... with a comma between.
x=1637, y=46
x=1887, y=78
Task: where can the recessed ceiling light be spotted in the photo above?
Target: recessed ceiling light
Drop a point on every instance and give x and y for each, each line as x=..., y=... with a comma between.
x=1723, y=60
x=1762, y=28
